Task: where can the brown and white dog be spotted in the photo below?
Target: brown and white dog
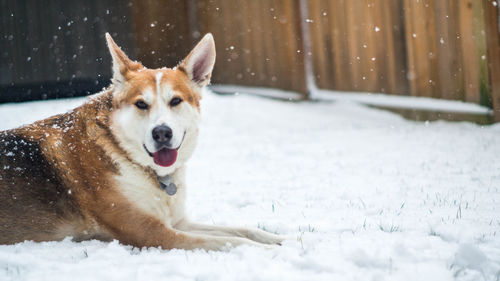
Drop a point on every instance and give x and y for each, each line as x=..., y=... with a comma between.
x=114, y=167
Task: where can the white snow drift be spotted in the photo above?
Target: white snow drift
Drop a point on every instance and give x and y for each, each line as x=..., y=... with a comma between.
x=361, y=194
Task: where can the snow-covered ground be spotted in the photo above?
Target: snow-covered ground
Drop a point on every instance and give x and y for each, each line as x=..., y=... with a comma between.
x=361, y=194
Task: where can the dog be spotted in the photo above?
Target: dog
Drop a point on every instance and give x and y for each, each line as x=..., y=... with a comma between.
x=114, y=167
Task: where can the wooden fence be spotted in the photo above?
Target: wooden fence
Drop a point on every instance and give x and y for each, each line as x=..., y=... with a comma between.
x=421, y=48
x=258, y=42
x=435, y=48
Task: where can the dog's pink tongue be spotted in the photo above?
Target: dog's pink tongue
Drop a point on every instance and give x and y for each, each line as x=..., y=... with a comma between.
x=165, y=157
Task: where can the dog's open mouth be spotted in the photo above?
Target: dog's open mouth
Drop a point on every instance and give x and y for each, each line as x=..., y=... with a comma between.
x=165, y=156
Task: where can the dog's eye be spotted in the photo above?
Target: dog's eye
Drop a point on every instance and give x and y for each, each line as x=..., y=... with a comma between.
x=175, y=101
x=141, y=105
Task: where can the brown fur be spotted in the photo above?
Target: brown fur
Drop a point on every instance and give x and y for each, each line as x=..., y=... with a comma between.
x=87, y=203
x=58, y=176
x=76, y=195
x=138, y=81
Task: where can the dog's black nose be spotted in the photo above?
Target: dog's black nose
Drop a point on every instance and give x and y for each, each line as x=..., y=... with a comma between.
x=162, y=134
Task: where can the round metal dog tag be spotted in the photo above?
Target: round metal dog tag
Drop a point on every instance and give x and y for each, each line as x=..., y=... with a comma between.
x=171, y=189
x=167, y=185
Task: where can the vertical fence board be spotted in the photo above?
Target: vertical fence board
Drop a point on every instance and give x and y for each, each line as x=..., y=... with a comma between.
x=421, y=44
x=268, y=45
x=481, y=53
x=343, y=59
x=257, y=36
x=381, y=45
x=393, y=48
x=352, y=41
x=369, y=37
x=318, y=34
x=448, y=51
x=294, y=45
x=467, y=37
x=273, y=40
x=334, y=47
x=492, y=30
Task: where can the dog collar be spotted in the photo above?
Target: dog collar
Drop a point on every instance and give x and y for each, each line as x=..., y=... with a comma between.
x=167, y=185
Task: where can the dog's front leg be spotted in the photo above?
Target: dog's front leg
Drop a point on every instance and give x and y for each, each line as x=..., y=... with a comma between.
x=254, y=234
x=129, y=225
x=148, y=232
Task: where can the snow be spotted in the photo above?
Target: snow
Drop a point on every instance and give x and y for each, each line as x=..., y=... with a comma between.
x=408, y=102
x=360, y=194
x=261, y=91
x=374, y=99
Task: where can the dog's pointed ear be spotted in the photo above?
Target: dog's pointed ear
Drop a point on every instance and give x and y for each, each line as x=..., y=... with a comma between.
x=198, y=65
x=121, y=63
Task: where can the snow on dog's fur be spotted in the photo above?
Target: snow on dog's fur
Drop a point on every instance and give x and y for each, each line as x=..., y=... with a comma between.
x=94, y=172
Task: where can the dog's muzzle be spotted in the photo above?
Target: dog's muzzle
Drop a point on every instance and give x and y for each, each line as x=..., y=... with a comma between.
x=164, y=156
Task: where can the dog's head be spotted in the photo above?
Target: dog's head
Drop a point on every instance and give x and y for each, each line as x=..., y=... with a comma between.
x=156, y=111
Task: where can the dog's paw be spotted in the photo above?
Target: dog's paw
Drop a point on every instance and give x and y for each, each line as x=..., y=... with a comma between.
x=275, y=239
x=264, y=237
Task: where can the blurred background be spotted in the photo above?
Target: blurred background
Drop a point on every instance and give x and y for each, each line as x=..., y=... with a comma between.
x=446, y=49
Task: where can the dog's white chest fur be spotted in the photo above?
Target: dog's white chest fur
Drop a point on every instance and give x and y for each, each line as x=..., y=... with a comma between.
x=145, y=194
